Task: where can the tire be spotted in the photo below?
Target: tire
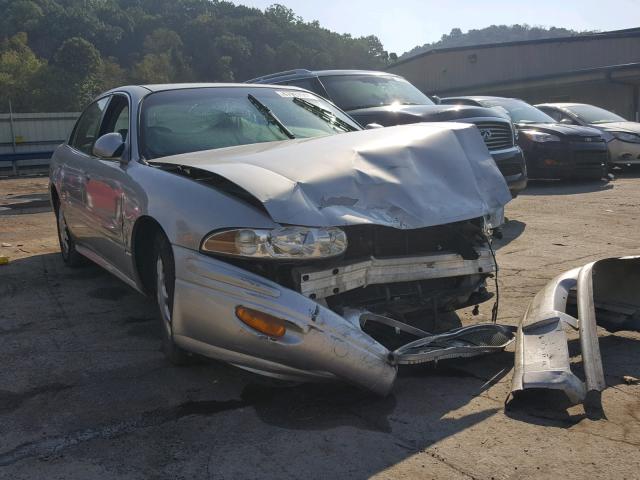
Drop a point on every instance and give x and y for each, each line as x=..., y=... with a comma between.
x=164, y=286
x=70, y=255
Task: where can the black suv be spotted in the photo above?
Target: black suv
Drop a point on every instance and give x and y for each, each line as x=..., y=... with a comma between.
x=385, y=99
x=552, y=149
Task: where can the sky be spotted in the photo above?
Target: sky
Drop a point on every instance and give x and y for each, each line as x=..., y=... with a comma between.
x=404, y=24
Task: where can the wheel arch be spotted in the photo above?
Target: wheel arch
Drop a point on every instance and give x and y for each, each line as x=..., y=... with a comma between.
x=143, y=236
x=54, y=198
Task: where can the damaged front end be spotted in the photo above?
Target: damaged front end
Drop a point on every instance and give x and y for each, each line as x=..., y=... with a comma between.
x=376, y=237
x=355, y=317
x=602, y=293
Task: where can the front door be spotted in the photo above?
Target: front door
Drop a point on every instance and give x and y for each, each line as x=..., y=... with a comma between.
x=105, y=185
x=77, y=161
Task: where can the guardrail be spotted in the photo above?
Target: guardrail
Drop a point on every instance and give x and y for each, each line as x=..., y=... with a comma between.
x=27, y=140
x=12, y=162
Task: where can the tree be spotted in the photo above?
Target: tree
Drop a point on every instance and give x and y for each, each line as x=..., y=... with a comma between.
x=70, y=50
x=282, y=14
x=164, y=61
x=19, y=66
x=20, y=16
x=72, y=78
x=77, y=57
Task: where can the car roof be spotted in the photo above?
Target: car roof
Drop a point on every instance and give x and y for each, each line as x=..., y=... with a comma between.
x=559, y=105
x=182, y=86
x=326, y=73
x=478, y=98
x=303, y=73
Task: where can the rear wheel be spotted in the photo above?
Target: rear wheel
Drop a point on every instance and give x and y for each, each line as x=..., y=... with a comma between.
x=164, y=286
x=70, y=256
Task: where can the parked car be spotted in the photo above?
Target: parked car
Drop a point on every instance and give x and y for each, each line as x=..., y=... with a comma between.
x=551, y=149
x=272, y=243
x=621, y=135
x=380, y=98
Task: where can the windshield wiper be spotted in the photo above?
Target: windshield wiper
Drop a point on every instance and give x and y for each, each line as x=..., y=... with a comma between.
x=325, y=115
x=269, y=115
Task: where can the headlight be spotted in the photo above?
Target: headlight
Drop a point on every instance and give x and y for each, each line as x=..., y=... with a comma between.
x=540, y=137
x=627, y=137
x=280, y=243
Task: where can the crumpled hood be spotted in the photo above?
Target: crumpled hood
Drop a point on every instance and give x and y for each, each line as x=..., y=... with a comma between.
x=405, y=177
x=629, y=127
x=560, y=129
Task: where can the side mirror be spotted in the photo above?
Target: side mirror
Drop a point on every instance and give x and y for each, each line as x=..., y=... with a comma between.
x=371, y=126
x=109, y=146
x=436, y=99
x=567, y=121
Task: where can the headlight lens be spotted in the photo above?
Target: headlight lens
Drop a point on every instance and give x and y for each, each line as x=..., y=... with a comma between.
x=627, y=137
x=540, y=137
x=280, y=243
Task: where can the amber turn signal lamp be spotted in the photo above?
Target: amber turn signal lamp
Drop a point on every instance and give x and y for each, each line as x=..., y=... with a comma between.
x=262, y=322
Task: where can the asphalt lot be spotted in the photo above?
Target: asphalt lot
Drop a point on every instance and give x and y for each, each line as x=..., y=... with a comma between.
x=85, y=392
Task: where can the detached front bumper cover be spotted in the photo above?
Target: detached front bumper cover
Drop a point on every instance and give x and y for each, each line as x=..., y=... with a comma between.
x=607, y=295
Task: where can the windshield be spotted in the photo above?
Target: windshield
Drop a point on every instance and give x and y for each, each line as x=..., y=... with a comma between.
x=351, y=92
x=519, y=111
x=591, y=114
x=189, y=120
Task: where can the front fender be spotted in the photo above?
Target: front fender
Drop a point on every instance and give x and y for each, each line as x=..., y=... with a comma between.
x=318, y=343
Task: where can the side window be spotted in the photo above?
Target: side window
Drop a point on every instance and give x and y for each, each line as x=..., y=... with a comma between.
x=566, y=119
x=85, y=132
x=117, y=117
x=553, y=113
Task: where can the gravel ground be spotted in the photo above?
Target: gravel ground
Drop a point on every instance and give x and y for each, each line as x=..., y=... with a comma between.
x=85, y=392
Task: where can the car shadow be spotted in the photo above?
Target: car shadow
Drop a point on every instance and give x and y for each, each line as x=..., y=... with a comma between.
x=511, y=230
x=565, y=187
x=24, y=204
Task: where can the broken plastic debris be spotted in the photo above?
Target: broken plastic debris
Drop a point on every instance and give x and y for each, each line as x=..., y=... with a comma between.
x=629, y=380
x=4, y=260
x=605, y=295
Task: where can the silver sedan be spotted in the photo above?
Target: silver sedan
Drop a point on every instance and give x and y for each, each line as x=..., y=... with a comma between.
x=276, y=234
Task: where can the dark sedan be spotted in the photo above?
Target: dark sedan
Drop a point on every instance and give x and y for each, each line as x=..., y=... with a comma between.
x=551, y=149
x=387, y=100
x=622, y=136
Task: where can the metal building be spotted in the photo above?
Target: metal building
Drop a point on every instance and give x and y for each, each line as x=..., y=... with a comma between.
x=602, y=69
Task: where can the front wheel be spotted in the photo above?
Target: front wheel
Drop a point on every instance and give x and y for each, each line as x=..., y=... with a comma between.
x=164, y=289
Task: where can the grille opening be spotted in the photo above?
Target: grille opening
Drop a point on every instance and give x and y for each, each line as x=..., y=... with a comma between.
x=496, y=135
x=365, y=241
